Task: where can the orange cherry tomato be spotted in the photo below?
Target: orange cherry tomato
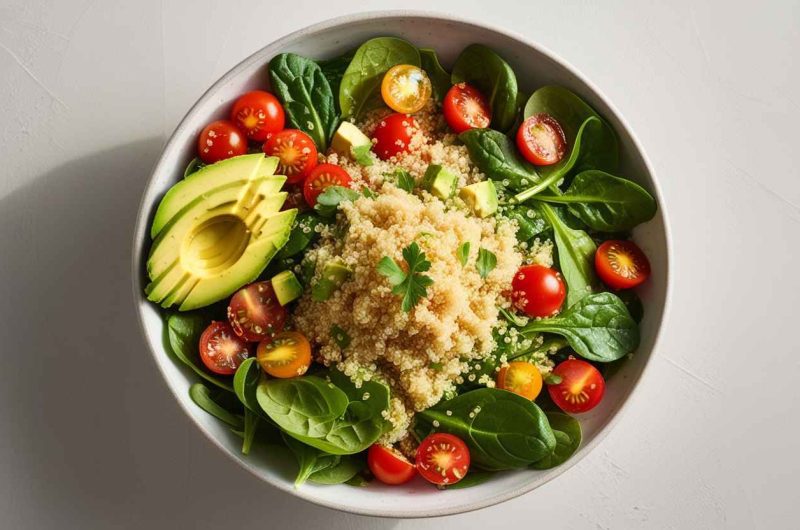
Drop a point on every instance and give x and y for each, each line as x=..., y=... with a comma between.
x=285, y=355
x=389, y=466
x=406, y=88
x=522, y=378
x=621, y=264
x=442, y=458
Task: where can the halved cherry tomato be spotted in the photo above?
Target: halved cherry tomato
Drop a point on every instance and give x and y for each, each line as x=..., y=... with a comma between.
x=297, y=152
x=221, y=350
x=254, y=312
x=287, y=354
x=464, y=107
x=541, y=140
x=522, y=378
x=442, y=458
x=321, y=177
x=389, y=466
x=258, y=113
x=581, y=387
x=406, y=88
x=220, y=140
x=538, y=291
x=393, y=135
x=621, y=264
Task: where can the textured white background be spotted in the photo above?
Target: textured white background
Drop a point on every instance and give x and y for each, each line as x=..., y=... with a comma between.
x=90, y=437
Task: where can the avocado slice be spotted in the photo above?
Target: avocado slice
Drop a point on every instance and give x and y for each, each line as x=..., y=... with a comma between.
x=481, y=197
x=219, y=241
x=248, y=167
x=286, y=286
x=440, y=181
x=334, y=274
x=347, y=138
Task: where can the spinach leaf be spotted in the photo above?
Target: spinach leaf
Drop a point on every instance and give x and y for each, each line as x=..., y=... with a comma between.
x=567, y=431
x=440, y=79
x=486, y=263
x=463, y=253
x=501, y=429
x=195, y=165
x=482, y=67
x=360, y=87
x=183, y=335
x=598, y=328
x=473, y=478
x=302, y=235
x=306, y=96
x=251, y=420
x=497, y=156
x=329, y=200
x=633, y=303
x=402, y=179
x=341, y=472
x=363, y=155
x=606, y=203
x=340, y=336
x=209, y=402
x=575, y=256
x=333, y=70
x=530, y=221
x=309, y=460
x=245, y=382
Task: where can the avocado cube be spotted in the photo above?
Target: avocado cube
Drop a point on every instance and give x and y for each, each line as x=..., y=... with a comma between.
x=481, y=197
x=440, y=181
x=347, y=138
x=334, y=273
x=286, y=286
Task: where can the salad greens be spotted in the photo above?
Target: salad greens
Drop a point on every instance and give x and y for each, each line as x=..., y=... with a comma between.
x=478, y=65
x=440, y=79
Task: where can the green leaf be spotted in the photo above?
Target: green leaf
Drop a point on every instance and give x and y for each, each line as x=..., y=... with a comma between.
x=195, y=165
x=360, y=87
x=529, y=220
x=329, y=200
x=412, y=285
x=343, y=471
x=599, y=328
x=251, y=420
x=402, y=179
x=389, y=268
x=340, y=336
x=306, y=96
x=333, y=70
x=245, y=382
x=553, y=379
x=483, y=68
x=473, y=478
x=309, y=459
x=183, y=335
x=486, y=263
x=363, y=154
x=463, y=253
x=203, y=398
x=567, y=431
x=497, y=156
x=302, y=235
x=440, y=79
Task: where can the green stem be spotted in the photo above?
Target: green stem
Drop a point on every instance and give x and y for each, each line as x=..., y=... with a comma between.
x=540, y=187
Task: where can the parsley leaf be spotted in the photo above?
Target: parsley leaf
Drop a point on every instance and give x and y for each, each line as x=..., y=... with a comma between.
x=402, y=179
x=486, y=263
x=463, y=253
x=328, y=201
x=363, y=154
x=340, y=336
x=413, y=285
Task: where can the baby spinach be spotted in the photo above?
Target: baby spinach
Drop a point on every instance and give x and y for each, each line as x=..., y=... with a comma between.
x=302, y=235
x=183, y=335
x=251, y=420
x=599, y=328
x=209, y=402
x=195, y=165
x=606, y=203
x=340, y=336
x=245, y=383
x=360, y=87
x=473, y=478
x=440, y=79
x=567, y=431
x=306, y=96
x=309, y=460
x=333, y=70
x=530, y=221
x=342, y=471
x=478, y=65
x=329, y=200
x=496, y=155
x=501, y=429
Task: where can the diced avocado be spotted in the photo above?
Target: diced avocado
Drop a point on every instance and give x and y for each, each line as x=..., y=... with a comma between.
x=347, y=138
x=481, y=197
x=286, y=287
x=440, y=181
x=334, y=274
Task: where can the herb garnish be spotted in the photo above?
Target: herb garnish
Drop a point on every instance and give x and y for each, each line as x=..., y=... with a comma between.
x=486, y=263
x=413, y=284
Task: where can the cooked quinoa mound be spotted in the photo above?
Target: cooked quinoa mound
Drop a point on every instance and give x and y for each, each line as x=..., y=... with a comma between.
x=421, y=353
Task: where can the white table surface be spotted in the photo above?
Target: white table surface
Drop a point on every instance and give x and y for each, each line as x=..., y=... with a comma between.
x=91, y=438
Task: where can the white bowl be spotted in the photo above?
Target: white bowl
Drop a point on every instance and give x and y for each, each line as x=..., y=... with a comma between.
x=534, y=67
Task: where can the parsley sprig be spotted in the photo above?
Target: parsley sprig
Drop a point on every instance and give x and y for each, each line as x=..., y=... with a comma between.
x=412, y=285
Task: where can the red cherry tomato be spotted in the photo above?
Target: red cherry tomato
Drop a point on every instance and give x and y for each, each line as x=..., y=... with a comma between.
x=621, y=264
x=321, y=177
x=297, y=153
x=442, y=458
x=220, y=140
x=254, y=312
x=581, y=387
x=221, y=350
x=393, y=135
x=464, y=107
x=541, y=140
x=538, y=291
x=258, y=113
x=389, y=466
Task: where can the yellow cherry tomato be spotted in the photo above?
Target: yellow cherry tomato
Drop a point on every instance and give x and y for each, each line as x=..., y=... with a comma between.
x=406, y=88
x=522, y=378
x=287, y=354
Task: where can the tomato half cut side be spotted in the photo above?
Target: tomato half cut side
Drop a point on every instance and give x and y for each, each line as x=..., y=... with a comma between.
x=285, y=355
x=389, y=466
x=465, y=107
x=220, y=140
x=621, y=264
x=321, y=177
x=442, y=458
x=521, y=378
x=538, y=291
x=581, y=387
x=541, y=140
x=221, y=350
x=258, y=113
x=393, y=135
x=406, y=88
x=255, y=313
x=296, y=151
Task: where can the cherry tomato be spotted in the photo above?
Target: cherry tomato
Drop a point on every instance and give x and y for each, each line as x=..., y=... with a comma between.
x=621, y=264
x=538, y=291
x=393, y=135
x=254, y=312
x=581, y=387
x=321, y=177
x=522, y=378
x=221, y=350
x=297, y=153
x=285, y=355
x=258, y=113
x=464, y=107
x=406, y=88
x=541, y=140
x=442, y=458
x=389, y=466
x=220, y=140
